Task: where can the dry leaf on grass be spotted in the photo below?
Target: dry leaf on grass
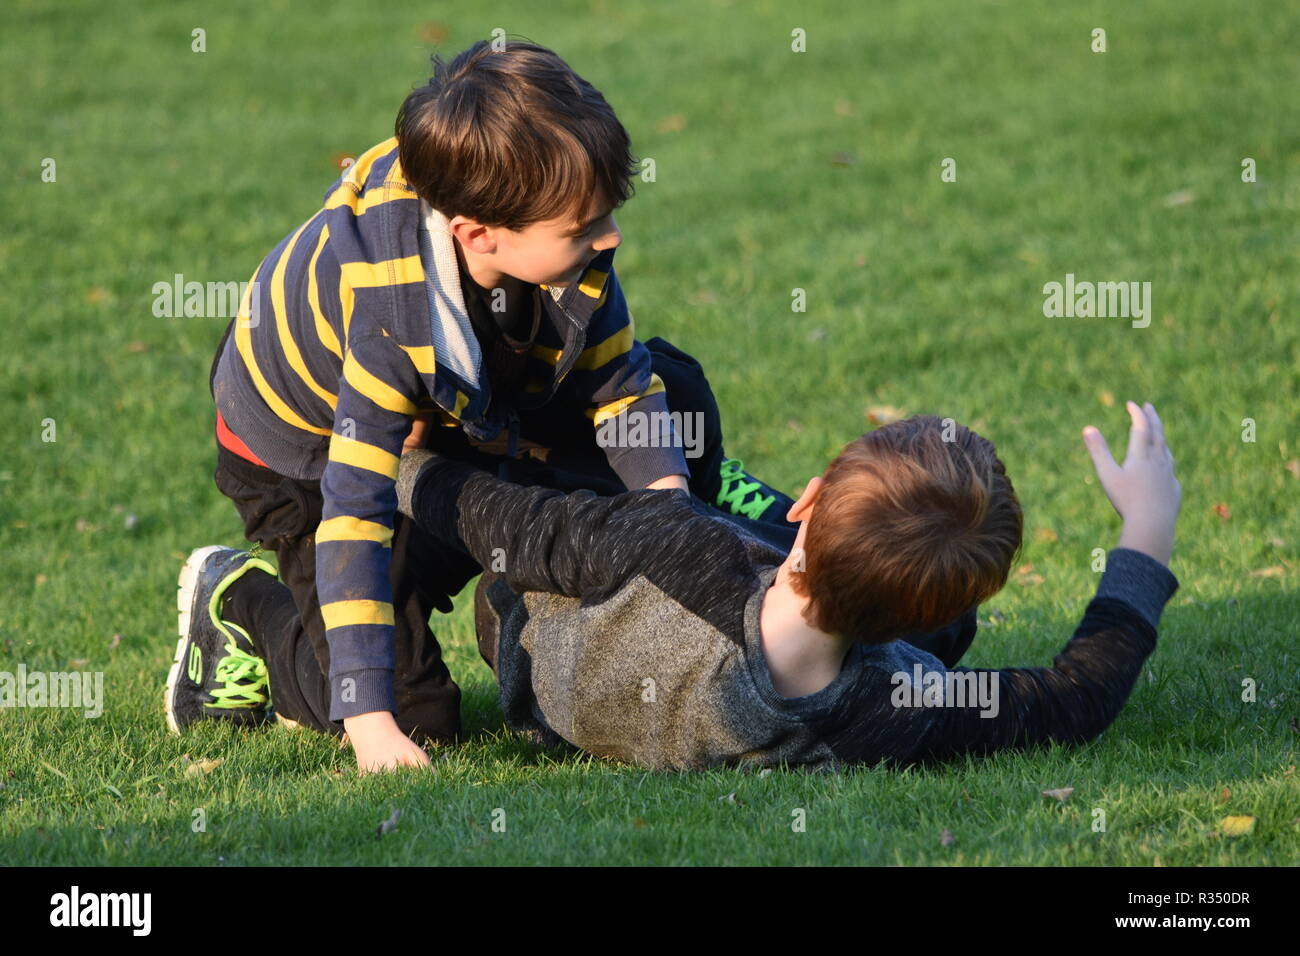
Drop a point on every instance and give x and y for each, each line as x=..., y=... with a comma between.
x=1276, y=571
x=884, y=414
x=1237, y=826
x=433, y=32
x=390, y=824
x=201, y=768
x=1026, y=577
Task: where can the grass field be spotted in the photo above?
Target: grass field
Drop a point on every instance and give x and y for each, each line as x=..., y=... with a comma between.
x=776, y=170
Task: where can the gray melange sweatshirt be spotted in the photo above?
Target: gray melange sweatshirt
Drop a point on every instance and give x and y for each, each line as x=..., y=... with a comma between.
x=628, y=626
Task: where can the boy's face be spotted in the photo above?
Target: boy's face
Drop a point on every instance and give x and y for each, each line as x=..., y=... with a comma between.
x=554, y=252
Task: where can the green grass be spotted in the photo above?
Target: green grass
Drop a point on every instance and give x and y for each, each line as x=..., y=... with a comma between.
x=922, y=295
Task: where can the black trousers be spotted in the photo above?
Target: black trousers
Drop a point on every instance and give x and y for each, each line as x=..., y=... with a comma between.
x=281, y=513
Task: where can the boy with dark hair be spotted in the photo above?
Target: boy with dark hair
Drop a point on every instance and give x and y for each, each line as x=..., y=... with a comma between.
x=457, y=290
x=640, y=627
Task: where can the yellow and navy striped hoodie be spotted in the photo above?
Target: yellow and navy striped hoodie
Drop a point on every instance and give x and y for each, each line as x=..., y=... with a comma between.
x=354, y=323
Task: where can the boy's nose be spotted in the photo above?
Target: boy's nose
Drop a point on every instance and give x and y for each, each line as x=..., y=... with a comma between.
x=611, y=239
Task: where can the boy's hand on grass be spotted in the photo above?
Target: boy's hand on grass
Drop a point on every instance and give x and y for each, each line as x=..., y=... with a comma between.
x=1143, y=490
x=380, y=744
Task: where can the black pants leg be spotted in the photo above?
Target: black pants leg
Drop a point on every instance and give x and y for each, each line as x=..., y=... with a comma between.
x=568, y=458
x=576, y=461
x=283, y=617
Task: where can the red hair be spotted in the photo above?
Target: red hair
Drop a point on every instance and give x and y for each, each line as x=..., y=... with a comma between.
x=916, y=523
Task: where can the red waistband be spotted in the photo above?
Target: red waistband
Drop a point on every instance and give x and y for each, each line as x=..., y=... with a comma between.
x=231, y=441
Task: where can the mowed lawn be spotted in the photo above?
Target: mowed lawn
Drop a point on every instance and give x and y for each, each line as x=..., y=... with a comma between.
x=775, y=171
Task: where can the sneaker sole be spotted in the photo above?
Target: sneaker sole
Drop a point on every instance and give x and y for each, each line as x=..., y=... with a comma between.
x=186, y=584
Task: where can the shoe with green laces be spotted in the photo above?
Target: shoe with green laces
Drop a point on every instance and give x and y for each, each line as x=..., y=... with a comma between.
x=216, y=673
x=737, y=487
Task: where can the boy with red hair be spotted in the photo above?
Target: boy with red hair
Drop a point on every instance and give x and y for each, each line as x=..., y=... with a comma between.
x=643, y=628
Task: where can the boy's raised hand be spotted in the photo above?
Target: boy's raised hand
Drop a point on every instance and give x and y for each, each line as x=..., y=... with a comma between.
x=1143, y=490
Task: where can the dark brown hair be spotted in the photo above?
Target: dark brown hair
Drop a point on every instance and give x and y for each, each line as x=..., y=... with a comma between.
x=512, y=136
x=916, y=523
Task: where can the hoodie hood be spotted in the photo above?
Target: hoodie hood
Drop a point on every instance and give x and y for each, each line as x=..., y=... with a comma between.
x=454, y=341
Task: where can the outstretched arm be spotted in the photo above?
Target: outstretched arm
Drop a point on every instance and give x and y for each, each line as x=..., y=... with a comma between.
x=1090, y=680
x=1083, y=691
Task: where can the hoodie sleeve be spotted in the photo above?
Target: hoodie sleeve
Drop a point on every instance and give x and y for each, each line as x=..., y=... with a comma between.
x=354, y=539
x=579, y=544
x=1083, y=691
x=614, y=379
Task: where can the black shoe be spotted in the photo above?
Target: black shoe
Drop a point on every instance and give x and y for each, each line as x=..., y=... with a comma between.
x=745, y=496
x=216, y=673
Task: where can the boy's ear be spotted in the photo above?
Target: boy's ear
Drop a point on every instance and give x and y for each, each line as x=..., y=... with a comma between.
x=473, y=235
x=802, y=509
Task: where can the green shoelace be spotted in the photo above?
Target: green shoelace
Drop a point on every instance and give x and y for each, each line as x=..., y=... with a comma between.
x=245, y=684
x=735, y=489
x=242, y=676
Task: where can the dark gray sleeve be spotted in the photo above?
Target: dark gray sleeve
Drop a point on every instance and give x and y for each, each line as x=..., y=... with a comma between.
x=1138, y=580
x=539, y=539
x=1083, y=691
